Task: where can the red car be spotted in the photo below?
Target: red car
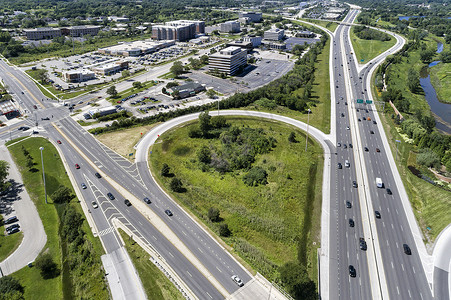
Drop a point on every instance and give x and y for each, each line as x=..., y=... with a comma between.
x=77, y=166
x=58, y=141
x=378, y=150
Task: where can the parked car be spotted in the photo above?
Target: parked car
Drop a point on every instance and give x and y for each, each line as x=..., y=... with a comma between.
x=11, y=220
x=14, y=230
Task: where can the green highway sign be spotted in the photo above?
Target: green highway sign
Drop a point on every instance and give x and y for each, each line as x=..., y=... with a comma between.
x=359, y=100
x=369, y=101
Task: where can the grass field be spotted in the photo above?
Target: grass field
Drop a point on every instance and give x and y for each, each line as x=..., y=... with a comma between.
x=8, y=243
x=441, y=80
x=320, y=115
x=155, y=283
x=269, y=223
x=431, y=204
x=35, y=286
x=131, y=91
x=326, y=24
x=369, y=49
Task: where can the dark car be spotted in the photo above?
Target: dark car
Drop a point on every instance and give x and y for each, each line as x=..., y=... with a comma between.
x=340, y=166
x=372, y=132
x=45, y=119
x=378, y=214
x=366, y=149
x=348, y=204
x=364, y=118
x=110, y=196
x=14, y=230
x=127, y=202
x=389, y=191
x=345, y=146
x=352, y=271
x=359, y=120
x=350, y=145
x=168, y=212
x=346, y=103
x=354, y=184
x=342, y=114
x=83, y=186
x=8, y=229
x=147, y=200
x=338, y=144
x=374, y=122
x=98, y=175
x=406, y=249
x=351, y=223
x=11, y=220
x=35, y=107
x=378, y=150
x=362, y=244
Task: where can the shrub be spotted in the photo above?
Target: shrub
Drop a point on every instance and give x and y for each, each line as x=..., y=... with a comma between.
x=10, y=288
x=176, y=185
x=204, y=155
x=255, y=176
x=62, y=195
x=165, y=170
x=213, y=214
x=224, y=230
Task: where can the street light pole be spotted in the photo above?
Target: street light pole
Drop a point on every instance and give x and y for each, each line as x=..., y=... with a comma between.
x=43, y=174
x=397, y=143
x=308, y=121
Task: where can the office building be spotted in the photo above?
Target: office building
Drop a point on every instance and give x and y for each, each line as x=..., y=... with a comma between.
x=255, y=40
x=136, y=48
x=180, y=30
x=78, y=75
x=110, y=68
x=186, y=90
x=230, y=26
x=253, y=16
x=274, y=34
x=78, y=31
x=42, y=33
x=228, y=60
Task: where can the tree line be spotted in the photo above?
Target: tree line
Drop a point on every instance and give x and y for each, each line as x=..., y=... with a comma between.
x=366, y=33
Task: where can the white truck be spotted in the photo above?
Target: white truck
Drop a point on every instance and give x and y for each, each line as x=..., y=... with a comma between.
x=379, y=182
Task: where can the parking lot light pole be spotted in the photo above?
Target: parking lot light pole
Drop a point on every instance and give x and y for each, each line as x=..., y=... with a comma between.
x=308, y=120
x=43, y=174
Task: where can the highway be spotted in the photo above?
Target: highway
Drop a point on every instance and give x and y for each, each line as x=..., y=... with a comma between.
x=398, y=275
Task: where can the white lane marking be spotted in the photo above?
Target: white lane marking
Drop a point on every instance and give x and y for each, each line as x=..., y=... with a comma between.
x=200, y=250
x=209, y=295
x=192, y=275
x=397, y=288
x=170, y=254
x=218, y=269
x=410, y=295
x=392, y=265
x=413, y=268
x=401, y=228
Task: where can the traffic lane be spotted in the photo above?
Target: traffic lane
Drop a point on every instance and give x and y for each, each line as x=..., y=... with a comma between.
x=193, y=244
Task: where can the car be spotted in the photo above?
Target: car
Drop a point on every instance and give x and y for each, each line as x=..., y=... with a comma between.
x=83, y=186
x=378, y=150
x=354, y=184
x=372, y=132
x=374, y=122
x=350, y=145
x=98, y=175
x=364, y=118
x=348, y=204
x=366, y=149
x=77, y=166
x=14, y=230
x=366, y=110
x=11, y=220
x=347, y=164
x=351, y=223
x=340, y=166
x=345, y=146
x=336, y=86
x=94, y=204
x=347, y=127
x=168, y=212
x=338, y=144
x=58, y=141
x=110, y=196
x=9, y=228
x=35, y=132
x=406, y=249
x=342, y=114
x=147, y=200
x=378, y=214
x=237, y=280
x=352, y=271
x=20, y=128
x=25, y=128
x=359, y=120
x=389, y=191
x=346, y=103
x=22, y=93
x=357, y=110
x=362, y=244
x=127, y=202
x=35, y=107
x=45, y=119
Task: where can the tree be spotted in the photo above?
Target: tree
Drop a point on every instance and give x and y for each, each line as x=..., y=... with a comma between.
x=204, y=59
x=62, y=195
x=255, y=176
x=125, y=73
x=210, y=93
x=165, y=170
x=112, y=91
x=177, y=68
x=428, y=158
x=137, y=85
x=4, y=172
x=445, y=56
x=176, y=185
x=413, y=80
x=204, y=154
x=292, y=137
x=295, y=278
x=213, y=214
x=427, y=55
x=48, y=268
x=171, y=84
x=224, y=230
x=42, y=75
x=10, y=288
x=204, y=123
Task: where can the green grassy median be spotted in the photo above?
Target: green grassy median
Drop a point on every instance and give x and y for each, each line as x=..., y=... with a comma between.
x=366, y=50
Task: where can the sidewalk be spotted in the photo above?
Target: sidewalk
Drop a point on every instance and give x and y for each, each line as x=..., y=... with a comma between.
x=20, y=205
